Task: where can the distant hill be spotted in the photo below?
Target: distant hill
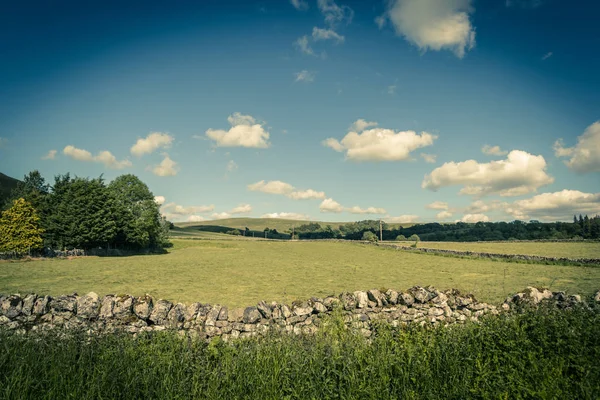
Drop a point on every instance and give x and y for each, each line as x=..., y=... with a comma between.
x=259, y=224
x=7, y=184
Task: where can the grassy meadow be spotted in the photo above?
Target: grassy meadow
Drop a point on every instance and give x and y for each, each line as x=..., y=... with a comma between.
x=243, y=272
x=546, y=249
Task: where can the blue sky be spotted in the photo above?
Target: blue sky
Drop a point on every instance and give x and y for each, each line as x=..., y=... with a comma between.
x=408, y=110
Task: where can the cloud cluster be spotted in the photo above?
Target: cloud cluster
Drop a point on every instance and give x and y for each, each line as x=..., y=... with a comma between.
x=433, y=24
x=167, y=167
x=429, y=158
x=326, y=34
x=402, y=219
x=50, y=156
x=305, y=76
x=245, y=131
x=519, y=174
x=378, y=144
x=437, y=205
x=493, y=150
x=283, y=188
x=443, y=215
x=584, y=157
x=151, y=143
x=368, y=210
x=103, y=157
x=331, y=206
x=560, y=205
x=299, y=5
x=287, y=215
x=335, y=14
x=472, y=218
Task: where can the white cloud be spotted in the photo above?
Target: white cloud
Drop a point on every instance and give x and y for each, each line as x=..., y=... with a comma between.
x=437, y=205
x=402, y=219
x=480, y=206
x=195, y=218
x=306, y=194
x=241, y=209
x=335, y=14
x=380, y=21
x=472, y=218
x=287, y=215
x=50, y=156
x=434, y=24
x=391, y=89
x=305, y=76
x=176, y=209
x=443, y=215
x=493, y=150
x=585, y=156
x=547, y=56
x=429, y=158
x=231, y=166
x=245, y=131
x=519, y=174
x=368, y=210
x=104, y=157
x=330, y=205
x=167, y=167
x=360, y=125
x=283, y=188
x=299, y=5
x=221, y=215
x=327, y=34
x=556, y=206
x=379, y=144
x=152, y=142
x=273, y=187
x=304, y=46
x=160, y=200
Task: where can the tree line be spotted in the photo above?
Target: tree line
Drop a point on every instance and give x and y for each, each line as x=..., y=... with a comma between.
x=81, y=213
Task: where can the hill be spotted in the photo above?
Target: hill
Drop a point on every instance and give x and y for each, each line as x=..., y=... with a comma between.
x=259, y=224
x=7, y=184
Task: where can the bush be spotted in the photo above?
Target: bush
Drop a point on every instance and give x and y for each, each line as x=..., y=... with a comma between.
x=400, y=238
x=415, y=237
x=370, y=236
x=234, y=232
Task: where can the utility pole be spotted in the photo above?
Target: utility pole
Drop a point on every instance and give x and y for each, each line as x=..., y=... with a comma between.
x=380, y=231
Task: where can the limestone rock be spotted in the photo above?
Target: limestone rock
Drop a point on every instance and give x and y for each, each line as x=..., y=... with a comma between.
x=223, y=314
x=235, y=315
x=142, y=307
x=285, y=311
x=407, y=299
x=213, y=315
x=11, y=306
x=303, y=309
x=88, y=306
x=251, y=315
x=597, y=297
x=420, y=294
x=392, y=296
x=264, y=309
x=362, y=299
x=319, y=307
x=176, y=316
x=160, y=311
x=64, y=303
x=40, y=306
x=28, y=302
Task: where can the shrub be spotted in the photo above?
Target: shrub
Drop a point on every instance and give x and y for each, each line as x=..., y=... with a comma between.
x=400, y=238
x=234, y=232
x=415, y=237
x=370, y=236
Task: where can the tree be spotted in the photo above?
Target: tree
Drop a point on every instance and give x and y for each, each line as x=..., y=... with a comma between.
x=400, y=238
x=414, y=237
x=19, y=228
x=370, y=236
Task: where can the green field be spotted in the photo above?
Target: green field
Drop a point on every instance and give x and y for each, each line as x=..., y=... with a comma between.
x=243, y=272
x=546, y=249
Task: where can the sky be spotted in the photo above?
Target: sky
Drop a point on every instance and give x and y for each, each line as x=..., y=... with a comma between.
x=331, y=110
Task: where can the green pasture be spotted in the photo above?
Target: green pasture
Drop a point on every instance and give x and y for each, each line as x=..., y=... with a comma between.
x=546, y=249
x=243, y=272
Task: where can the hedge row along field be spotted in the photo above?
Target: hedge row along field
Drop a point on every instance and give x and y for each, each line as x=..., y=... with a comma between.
x=543, y=353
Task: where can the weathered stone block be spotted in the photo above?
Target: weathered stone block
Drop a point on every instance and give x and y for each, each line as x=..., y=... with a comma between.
x=235, y=315
x=160, y=311
x=251, y=315
x=11, y=306
x=88, y=306
x=264, y=309
x=142, y=307
x=362, y=299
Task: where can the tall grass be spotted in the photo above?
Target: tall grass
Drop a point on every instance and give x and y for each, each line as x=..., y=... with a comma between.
x=541, y=354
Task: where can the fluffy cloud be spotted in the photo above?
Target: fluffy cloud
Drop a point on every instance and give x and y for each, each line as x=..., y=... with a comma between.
x=330, y=205
x=167, y=167
x=195, y=218
x=152, y=142
x=402, y=219
x=379, y=144
x=287, y=215
x=585, y=156
x=221, y=215
x=305, y=76
x=437, y=205
x=103, y=157
x=472, y=218
x=50, y=156
x=493, y=150
x=160, y=200
x=176, y=209
x=299, y=5
x=241, y=209
x=519, y=174
x=429, y=158
x=368, y=210
x=443, y=215
x=360, y=125
x=283, y=188
x=480, y=206
x=326, y=34
x=556, y=206
x=306, y=194
x=303, y=45
x=335, y=14
x=273, y=187
x=245, y=131
x=434, y=24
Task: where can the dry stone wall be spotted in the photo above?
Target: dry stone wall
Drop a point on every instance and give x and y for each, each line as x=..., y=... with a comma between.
x=360, y=310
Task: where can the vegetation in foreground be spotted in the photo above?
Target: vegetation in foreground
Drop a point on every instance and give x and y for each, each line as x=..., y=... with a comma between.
x=239, y=273
x=547, y=353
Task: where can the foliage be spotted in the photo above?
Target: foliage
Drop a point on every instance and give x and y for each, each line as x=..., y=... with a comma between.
x=540, y=354
x=234, y=232
x=400, y=238
x=414, y=238
x=370, y=236
x=19, y=228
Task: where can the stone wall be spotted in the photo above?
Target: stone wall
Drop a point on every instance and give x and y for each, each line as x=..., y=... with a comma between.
x=424, y=306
